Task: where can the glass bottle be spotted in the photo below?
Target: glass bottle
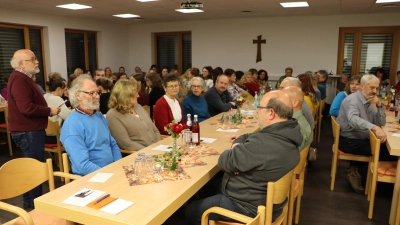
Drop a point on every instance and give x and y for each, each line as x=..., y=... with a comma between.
x=196, y=131
x=189, y=121
x=255, y=100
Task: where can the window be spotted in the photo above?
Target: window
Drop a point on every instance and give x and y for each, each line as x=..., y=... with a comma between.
x=364, y=49
x=81, y=49
x=173, y=50
x=15, y=37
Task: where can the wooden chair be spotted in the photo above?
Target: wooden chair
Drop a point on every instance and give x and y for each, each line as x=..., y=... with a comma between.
x=276, y=194
x=4, y=128
x=147, y=108
x=164, y=136
x=321, y=108
x=53, y=128
x=315, y=130
x=127, y=151
x=337, y=154
x=20, y=175
x=379, y=171
x=297, y=187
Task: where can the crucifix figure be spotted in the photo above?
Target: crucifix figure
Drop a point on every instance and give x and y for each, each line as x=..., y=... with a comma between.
x=259, y=42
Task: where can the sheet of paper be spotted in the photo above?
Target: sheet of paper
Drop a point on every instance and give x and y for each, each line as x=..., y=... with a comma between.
x=247, y=111
x=116, y=206
x=228, y=130
x=207, y=140
x=167, y=148
x=101, y=177
x=396, y=135
x=83, y=201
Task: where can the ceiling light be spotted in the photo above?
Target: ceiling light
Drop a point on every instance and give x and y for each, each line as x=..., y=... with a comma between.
x=74, y=6
x=190, y=7
x=126, y=15
x=294, y=4
x=386, y=1
x=146, y=0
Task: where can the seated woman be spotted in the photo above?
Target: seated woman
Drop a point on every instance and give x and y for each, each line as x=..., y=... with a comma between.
x=208, y=77
x=252, y=85
x=233, y=89
x=308, y=90
x=128, y=121
x=352, y=86
x=105, y=86
x=194, y=103
x=383, y=77
x=262, y=79
x=240, y=79
x=144, y=97
x=153, y=81
x=168, y=108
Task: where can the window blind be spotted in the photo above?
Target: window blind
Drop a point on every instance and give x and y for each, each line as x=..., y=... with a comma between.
x=167, y=51
x=376, y=51
x=75, y=50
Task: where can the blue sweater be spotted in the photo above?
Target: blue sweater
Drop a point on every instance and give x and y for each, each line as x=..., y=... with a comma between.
x=88, y=142
x=195, y=105
x=334, y=111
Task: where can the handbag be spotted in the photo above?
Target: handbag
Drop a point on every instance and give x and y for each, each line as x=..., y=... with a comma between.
x=312, y=154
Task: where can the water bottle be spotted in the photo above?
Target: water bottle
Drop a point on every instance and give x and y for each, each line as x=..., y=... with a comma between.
x=384, y=92
x=256, y=100
x=262, y=92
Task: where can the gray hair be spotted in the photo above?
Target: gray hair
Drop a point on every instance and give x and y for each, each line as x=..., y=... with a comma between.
x=323, y=73
x=198, y=79
x=280, y=108
x=15, y=61
x=293, y=81
x=75, y=87
x=366, y=78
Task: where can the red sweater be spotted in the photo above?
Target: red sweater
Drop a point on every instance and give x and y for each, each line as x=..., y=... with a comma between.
x=27, y=109
x=162, y=115
x=253, y=87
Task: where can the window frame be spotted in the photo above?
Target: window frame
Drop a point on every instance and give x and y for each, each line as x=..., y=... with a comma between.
x=357, y=47
x=180, y=48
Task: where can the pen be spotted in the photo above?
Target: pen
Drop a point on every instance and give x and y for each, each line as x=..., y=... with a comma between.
x=62, y=103
x=102, y=198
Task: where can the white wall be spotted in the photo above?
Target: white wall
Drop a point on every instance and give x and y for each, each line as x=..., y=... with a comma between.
x=112, y=38
x=304, y=43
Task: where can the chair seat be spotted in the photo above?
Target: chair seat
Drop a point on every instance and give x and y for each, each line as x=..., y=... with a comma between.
x=340, y=152
x=42, y=219
x=386, y=168
x=50, y=145
x=3, y=125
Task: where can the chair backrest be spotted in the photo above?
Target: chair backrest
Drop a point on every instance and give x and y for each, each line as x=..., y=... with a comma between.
x=321, y=107
x=53, y=128
x=335, y=131
x=276, y=194
x=303, y=158
x=20, y=175
x=375, y=148
x=147, y=108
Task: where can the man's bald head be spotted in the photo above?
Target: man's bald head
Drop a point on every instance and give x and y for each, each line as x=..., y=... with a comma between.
x=26, y=60
x=290, y=81
x=296, y=96
x=277, y=107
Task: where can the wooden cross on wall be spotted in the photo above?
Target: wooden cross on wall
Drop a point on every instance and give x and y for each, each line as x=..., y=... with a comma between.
x=259, y=41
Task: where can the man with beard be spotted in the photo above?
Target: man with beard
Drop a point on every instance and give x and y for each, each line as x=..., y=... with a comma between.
x=356, y=117
x=28, y=112
x=85, y=134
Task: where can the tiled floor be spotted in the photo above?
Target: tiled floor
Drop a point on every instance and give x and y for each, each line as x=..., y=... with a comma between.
x=319, y=205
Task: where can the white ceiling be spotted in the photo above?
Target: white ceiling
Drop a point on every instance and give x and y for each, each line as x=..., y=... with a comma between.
x=164, y=10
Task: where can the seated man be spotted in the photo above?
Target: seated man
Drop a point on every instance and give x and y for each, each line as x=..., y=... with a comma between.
x=291, y=81
x=85, y=134
x=297, y=97
x=288, y=73
x=218, y=98
x=322, y=78
x=356, y=117
x=254, y=160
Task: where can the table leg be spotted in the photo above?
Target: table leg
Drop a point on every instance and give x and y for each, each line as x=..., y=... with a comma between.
x=395, y=197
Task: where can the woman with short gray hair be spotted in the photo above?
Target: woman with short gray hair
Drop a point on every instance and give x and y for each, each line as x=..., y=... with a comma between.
x=194, y=103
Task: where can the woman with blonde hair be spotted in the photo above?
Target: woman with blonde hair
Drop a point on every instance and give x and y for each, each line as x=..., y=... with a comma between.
x=129, y=123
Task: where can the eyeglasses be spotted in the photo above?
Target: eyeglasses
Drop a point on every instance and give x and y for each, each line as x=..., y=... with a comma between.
x=33, y=59
x=173, y=86
x=263, y=107
x=92, y=93
x=196, y=86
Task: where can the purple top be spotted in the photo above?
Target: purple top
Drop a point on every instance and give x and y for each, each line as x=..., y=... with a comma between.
x=4, y=93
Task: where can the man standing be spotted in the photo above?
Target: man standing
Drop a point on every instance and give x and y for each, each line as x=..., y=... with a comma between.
x=296, y=96
x=28, y=112
x=291, y=81
x=218, y=98
x=254, y=160
x=322, y=78
x=85, y=134
x=356, y=117
x=288, y=73
x=99, y=73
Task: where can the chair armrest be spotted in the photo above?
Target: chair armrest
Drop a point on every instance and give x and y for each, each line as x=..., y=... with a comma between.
x=224, y=212
x=67, y=175
x=17, y=210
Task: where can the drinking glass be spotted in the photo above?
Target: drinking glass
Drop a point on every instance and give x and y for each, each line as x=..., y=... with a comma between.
x=230, y=121
x=191, y=147
x=149, y=162
x=225, y=122
x=138, y=166
x=247, y=104
x=158, y=167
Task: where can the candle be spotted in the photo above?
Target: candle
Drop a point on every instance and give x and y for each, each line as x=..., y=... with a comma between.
x=191, y=149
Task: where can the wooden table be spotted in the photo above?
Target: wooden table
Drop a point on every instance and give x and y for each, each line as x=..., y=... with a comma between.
x=393, y=145
x=153, y=203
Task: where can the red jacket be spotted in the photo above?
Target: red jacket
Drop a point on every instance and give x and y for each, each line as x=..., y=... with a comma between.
x=27, y=109
x=162, y=115
x=253, y=87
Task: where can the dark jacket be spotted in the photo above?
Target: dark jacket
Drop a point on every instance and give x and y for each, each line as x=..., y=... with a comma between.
x=260, y=158
x=218, y=103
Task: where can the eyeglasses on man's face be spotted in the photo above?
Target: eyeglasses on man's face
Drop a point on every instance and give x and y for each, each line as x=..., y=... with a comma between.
x=33, y=59
x=263, y=107
x=92, y=93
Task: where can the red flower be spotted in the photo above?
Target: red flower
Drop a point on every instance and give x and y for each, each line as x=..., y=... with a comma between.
x=176, y=128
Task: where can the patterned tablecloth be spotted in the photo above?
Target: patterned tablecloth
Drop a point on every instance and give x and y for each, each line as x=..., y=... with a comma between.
x=394, y=126
x=186, y=160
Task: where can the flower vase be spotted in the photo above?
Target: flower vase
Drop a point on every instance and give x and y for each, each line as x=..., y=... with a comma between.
x=174, y=154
